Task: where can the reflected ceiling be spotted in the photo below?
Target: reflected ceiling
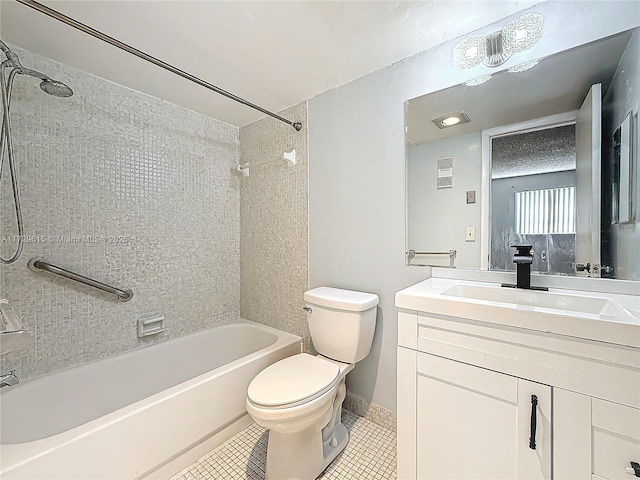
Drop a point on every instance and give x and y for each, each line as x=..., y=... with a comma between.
x=504, y=101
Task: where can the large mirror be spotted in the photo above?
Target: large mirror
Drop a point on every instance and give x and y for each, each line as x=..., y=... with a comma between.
x=545, y=156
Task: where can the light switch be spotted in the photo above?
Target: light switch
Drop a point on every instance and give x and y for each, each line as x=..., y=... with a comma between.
x=470, y=234
x=471, y=196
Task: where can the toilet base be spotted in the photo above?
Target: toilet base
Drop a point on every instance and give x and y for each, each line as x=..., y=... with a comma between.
x=341, y=437
x=303, y=455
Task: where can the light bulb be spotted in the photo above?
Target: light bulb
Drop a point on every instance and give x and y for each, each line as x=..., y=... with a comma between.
x=469, y=52
x=523, y=32
x=520, y=34
x=450, y=121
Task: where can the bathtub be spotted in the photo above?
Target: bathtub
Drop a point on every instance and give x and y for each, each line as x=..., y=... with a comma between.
x=147, y=413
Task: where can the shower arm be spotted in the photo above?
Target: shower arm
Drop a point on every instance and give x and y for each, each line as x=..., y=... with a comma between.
x=33, y=73
x=138, y=53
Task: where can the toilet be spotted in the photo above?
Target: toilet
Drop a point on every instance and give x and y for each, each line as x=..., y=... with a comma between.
x=299, y=399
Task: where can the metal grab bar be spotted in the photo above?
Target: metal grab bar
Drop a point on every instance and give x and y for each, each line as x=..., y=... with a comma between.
x=451, y=253
x=38, y=265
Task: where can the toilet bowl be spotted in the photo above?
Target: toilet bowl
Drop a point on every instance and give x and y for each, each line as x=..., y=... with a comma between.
x=305, y=387
x=296, y=399
x=299, y=399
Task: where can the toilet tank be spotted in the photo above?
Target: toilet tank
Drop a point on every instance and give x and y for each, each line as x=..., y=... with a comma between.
x=341, y=322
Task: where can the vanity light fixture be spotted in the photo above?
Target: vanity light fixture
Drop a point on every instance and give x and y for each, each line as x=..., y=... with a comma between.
x=523, y=33
x=451, y=119
x=496, y=48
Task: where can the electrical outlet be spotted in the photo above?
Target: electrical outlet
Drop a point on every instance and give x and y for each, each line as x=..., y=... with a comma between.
x=470, y=234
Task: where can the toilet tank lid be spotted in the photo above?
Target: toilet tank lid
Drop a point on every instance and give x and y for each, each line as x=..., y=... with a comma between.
x=341, y=299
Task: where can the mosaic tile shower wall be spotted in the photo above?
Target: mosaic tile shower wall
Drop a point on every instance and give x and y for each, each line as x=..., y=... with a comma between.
x=274, y=224
x=129, y=190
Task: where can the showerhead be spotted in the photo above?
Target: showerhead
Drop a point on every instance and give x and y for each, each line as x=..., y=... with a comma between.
x=55, y=88
x=48, y=85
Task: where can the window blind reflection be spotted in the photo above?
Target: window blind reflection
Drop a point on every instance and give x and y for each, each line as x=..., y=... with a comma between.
x=551, y=210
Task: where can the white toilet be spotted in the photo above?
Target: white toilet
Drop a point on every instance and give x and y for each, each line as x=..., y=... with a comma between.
x=299, y=399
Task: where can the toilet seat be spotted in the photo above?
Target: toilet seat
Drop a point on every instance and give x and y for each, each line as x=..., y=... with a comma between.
x=293, y=381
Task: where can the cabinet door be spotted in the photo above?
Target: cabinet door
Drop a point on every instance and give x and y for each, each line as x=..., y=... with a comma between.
x=594, y=438
x=474, y=423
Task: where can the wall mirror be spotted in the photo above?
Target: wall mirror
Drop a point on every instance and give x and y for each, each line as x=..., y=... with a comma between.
x=545, y=156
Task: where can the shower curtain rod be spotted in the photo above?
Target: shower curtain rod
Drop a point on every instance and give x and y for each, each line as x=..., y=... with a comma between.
x=134, y=51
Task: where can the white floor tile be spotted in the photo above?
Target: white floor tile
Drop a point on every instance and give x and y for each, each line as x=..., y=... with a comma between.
x=370, y=454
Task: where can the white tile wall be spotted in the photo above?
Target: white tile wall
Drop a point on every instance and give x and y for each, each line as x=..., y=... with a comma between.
x=274, y=224
x=127, y=189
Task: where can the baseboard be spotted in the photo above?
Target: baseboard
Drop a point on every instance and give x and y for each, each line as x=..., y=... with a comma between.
x=371, y=411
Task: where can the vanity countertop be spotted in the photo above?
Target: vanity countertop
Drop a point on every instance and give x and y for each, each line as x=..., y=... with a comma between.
x=610, y=318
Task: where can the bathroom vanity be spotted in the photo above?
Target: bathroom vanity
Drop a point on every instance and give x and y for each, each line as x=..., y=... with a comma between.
x=509, y=383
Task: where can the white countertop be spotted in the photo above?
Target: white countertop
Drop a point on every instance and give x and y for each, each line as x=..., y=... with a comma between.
x=619, y=323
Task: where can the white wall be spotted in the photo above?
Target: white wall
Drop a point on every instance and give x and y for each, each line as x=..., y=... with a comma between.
x=357, y=172
x=446, y=229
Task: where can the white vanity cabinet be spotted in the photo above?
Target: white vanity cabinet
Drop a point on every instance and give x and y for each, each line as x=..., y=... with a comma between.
x=593, y=438
x=465, y=385
x=475, y=423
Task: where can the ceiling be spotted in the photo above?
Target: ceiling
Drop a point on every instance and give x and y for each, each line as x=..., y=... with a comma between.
x=558, y=84
x=273, y=53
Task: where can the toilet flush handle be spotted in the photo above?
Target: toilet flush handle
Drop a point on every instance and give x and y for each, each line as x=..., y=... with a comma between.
x=307, y=309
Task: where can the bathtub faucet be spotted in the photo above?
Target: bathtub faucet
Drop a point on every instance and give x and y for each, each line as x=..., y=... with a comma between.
x=8, y=379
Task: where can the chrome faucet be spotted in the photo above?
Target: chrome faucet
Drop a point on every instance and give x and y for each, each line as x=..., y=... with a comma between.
x=8, y=379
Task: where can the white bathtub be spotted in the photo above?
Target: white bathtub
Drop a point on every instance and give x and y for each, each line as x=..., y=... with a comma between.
x=146, y=413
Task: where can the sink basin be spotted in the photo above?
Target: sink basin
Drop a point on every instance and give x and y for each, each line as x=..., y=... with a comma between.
x=560, y=302
x=594, y=316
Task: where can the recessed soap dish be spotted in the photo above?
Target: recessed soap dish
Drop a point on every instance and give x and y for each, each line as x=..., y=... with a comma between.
x=13, y=334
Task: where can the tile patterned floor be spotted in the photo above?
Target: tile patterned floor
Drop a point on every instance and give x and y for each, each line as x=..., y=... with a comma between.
x=370, y=454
